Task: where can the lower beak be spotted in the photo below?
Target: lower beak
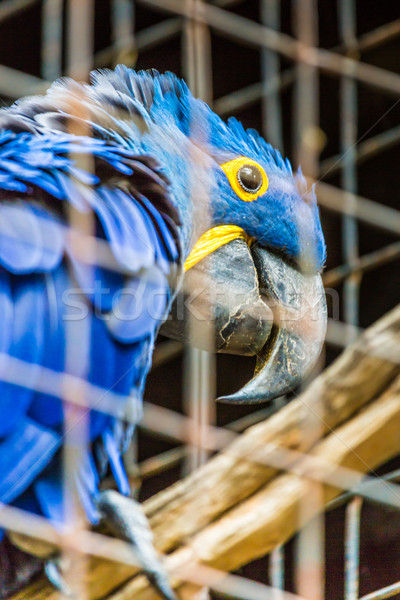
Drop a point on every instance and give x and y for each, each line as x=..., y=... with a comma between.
x=259, y=305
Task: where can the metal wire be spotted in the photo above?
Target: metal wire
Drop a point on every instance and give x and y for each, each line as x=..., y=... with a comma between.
x=123, y=25
x=80, y=40
x=348, y=121
x=272, y=117
x=253, y=34
x=200, y=364
x=352, y=549
x=52, y=33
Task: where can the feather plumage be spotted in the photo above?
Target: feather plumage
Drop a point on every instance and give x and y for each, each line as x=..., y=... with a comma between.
x=43, y=283
x=145, y=133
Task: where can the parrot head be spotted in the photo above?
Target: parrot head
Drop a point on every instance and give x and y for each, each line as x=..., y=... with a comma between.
x=252, y=248
x=252, y=243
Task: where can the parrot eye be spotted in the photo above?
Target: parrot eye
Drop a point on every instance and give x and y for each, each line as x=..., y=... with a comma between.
x=250, y=178
x=247, y=178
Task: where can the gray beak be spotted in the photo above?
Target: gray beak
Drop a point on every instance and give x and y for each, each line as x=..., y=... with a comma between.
x=259, y=305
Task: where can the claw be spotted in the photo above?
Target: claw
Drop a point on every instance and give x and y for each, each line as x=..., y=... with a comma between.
x=126, y=519
x=54, y=573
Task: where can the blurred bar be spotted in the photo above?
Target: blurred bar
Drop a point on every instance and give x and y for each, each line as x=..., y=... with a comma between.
x=382, y=594
x=306, y=90
x=196, y=57
x=270, y=88
x=52, y=36
x=277, y=572
x=309, y=553
x=362, y=264
x=368, y=211
x=348, y=141
x=271, y=104
x=380, y=480
x=80, y=40
x=199, y=365
x=11, y=8
x=123, y=27
x=124, y=51
x=352, y=549
x=80, y=21
x=364, y=150
x=15, y=84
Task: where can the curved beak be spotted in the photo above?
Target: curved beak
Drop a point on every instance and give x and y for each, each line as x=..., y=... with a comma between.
x=259, y=305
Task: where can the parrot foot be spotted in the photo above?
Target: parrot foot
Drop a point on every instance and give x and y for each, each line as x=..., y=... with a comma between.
x=126, y=520
x=54, y=573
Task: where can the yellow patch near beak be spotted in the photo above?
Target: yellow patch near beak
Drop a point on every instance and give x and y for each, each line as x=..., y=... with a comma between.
x=212, y=239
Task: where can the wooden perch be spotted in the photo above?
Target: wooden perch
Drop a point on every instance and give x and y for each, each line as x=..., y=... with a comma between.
x=271, y=516
x=188, y=511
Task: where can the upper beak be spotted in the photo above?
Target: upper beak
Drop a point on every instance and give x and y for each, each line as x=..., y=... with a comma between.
x=260, y=305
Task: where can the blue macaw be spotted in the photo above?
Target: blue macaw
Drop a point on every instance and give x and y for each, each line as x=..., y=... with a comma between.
x=180, y=201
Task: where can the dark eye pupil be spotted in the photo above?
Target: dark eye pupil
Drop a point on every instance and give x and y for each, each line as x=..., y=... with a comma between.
x=250, y=178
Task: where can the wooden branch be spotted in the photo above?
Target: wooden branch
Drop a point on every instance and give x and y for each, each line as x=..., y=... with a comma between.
x=276, y=512
x=359, y=375
x=353, y=380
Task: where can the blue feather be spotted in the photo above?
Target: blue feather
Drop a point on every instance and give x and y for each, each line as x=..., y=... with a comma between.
x=50, y=494
x=24, y=454
x=6, y=311
x=164, y=234
x=140, y=306
x=31, y=239
x=27, y=345
x=47, y=409
x=116, y=462
x=125, y=229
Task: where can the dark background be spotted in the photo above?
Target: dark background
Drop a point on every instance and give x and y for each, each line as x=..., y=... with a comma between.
x=234, y=66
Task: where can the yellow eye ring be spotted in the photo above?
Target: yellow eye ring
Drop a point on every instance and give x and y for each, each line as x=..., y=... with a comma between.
x=242, y=171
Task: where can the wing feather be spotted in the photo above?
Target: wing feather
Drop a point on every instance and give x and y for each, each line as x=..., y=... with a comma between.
x=43, y=285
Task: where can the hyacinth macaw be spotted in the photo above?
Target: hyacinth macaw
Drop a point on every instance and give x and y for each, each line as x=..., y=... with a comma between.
x=180, y=202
